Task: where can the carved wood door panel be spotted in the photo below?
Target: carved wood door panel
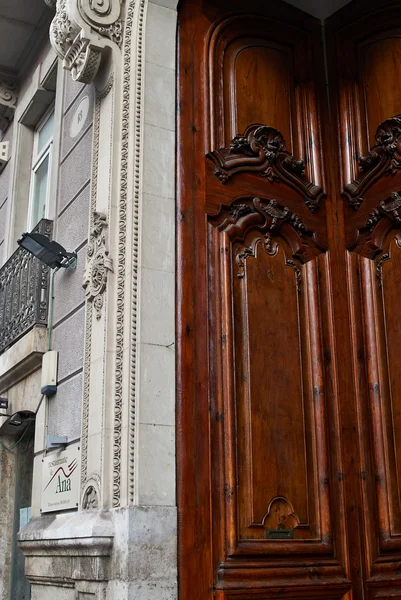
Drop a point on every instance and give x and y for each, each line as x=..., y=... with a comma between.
x=368, y=104
x=289, y=274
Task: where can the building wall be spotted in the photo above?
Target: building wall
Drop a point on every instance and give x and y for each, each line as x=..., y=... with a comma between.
x=71, y=231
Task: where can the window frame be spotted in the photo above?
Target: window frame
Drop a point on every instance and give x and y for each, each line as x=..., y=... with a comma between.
x=38, y=159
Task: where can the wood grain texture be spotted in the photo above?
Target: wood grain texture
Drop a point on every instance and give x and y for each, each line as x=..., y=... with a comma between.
x=254, y=453
x=289, y=274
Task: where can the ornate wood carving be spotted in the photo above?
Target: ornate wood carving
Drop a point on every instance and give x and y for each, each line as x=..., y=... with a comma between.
x=369, y=238
x=383, y=159
x=280, y=515
x=261, y=149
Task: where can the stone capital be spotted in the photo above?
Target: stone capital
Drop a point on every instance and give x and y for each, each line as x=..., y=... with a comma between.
x=81, y=32
x=8, y=99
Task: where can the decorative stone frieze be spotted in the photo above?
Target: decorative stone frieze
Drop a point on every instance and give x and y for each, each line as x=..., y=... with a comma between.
x=81, y=31
x=98, y=264
x=8, y=100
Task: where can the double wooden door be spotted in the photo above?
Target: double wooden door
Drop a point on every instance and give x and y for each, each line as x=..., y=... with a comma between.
x=289, y=312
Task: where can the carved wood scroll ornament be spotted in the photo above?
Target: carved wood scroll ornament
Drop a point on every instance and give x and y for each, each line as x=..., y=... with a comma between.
x=370, y=238
x=261, y=149
x=274, y=216
x=80, y=34
x=383, y=158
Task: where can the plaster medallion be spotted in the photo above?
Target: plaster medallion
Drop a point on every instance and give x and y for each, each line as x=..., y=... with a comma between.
x=80, y=116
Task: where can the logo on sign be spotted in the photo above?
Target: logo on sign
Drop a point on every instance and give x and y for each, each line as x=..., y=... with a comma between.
x=63, y=476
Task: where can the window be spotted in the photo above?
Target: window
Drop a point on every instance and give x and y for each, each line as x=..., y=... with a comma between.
x=41, y=165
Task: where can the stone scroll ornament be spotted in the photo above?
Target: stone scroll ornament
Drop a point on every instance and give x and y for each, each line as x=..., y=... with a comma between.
x=82, y=31
x=8, y=99
x=98, y=264
x=261, y=149
x=383, y=159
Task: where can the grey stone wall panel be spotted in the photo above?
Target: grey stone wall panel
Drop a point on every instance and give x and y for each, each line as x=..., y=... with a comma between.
x=68, y=290
x=68, y=339
x=65, y=409
x=73, y=224
x=71, y=90
x=75, y=170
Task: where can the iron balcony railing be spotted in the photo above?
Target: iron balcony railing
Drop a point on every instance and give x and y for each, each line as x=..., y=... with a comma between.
x=24, y=292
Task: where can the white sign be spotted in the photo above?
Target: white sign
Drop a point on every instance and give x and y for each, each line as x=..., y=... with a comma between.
x=60, y=480
x=79, y=119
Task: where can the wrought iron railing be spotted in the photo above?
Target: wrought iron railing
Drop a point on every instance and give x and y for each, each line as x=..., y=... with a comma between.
x=24, y=292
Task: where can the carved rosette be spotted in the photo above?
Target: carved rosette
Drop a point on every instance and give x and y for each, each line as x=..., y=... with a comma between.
x=98, y=264
x=81, y=31
x=383, y=159
x=261, y=149
x=8, y=100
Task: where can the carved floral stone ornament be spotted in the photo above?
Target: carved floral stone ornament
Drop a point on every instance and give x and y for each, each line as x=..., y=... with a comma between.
x=81, y=31
x=98, y=264
x=8, y=100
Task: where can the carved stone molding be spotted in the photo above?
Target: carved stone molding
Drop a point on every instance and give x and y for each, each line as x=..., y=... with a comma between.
x=261, y=149
x=383, y=159
x=98, y=264
x=8, y=100
x=80, y=33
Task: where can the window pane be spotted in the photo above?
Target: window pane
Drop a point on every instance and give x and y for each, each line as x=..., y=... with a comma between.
x=40, y=177
x=46, y=133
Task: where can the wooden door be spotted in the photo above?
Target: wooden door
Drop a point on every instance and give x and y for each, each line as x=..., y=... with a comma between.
x=289, y=269
x=365, y=63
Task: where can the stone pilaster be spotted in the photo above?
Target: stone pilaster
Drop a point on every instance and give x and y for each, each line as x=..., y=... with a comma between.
x=128, y=437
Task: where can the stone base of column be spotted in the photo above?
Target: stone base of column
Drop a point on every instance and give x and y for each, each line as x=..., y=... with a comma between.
x=102, y=555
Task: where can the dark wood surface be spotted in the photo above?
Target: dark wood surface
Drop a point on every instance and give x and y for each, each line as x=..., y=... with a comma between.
x=288, y=283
